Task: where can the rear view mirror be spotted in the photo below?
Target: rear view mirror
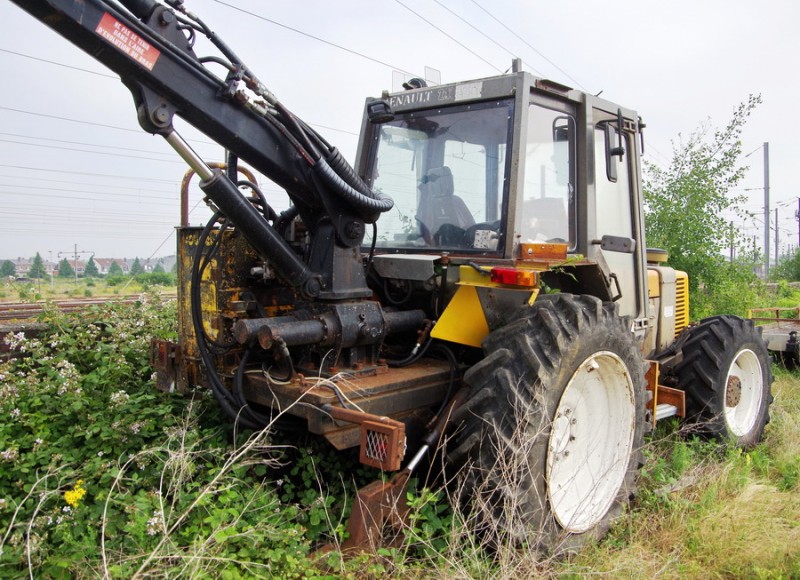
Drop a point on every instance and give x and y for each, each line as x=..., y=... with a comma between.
x=612, y=149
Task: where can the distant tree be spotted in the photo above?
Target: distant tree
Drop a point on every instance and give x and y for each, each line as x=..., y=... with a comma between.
x=685, y=203
x=65, y=270
x=788, y=267
x=90, y=271
x=8, y=269
x=174, y=269
x=114, y=269
x=159, y=269
x=136, y=267
x=37, y=267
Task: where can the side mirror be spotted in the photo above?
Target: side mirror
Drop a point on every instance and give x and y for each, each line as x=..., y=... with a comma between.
x=612, y=151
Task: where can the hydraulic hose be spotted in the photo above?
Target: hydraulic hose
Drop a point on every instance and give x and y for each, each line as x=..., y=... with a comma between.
x=344, y=170
x=367, y=207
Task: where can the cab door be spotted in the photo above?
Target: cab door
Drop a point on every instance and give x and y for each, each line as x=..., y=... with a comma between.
x=618, y=209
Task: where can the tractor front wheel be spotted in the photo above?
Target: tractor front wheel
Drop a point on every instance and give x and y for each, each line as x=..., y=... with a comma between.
x=550, y=439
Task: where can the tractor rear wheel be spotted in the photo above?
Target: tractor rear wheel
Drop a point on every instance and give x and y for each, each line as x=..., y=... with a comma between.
x=726, y=374
x=551, y=435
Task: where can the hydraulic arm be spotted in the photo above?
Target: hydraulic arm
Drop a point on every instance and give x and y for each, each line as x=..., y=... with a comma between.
x=151, y=47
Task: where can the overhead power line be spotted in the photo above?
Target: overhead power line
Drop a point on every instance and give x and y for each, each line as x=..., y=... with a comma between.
x=117, y=78
x=104, y=194
x=529, y=45
x=108, y=153
x=70, y=172
x=459, y=43
x=86, y=70
x=317, y=38
x=150, y=151
x=486, y=36
x=82, y=184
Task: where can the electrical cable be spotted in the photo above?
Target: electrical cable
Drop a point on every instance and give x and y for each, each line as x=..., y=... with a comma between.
x=224, y=398
x=451, y=358
x=238, y=386
x=565, y=73
x=268, y=212
x=368, y=267
x=461, y=44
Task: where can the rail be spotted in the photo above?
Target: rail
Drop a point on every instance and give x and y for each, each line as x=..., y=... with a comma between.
x=26, y=311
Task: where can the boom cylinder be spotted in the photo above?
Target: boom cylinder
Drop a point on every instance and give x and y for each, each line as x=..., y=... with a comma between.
x=266, y=241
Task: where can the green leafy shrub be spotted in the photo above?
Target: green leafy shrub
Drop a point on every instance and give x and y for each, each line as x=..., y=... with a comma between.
x=26, y=292
x=151, y=279
x=101, y=474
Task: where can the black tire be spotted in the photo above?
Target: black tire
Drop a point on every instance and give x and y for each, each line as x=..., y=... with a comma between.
x=788, y=360
x=513, y=447
x=726, y=374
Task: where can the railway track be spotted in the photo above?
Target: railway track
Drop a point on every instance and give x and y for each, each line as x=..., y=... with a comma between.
x=12, y=312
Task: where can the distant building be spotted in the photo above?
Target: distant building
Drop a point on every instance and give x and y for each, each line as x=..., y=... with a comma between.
x=103, y=264
x=22, y=266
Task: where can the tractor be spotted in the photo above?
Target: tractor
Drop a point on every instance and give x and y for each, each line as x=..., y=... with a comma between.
x=477, y=284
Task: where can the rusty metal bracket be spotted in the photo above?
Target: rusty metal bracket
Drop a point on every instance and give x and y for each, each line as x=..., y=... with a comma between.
x=380, y=511
x=383, y=440
x=379, y=507
x=662, y=394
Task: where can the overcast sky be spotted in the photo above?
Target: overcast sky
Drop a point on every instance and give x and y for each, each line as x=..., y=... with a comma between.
x=75, y=169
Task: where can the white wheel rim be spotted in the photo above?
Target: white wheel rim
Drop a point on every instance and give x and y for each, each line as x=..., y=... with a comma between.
x=590, y=443
x=743, y=393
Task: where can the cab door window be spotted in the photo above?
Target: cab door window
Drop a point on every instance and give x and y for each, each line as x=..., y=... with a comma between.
x=548, y=207
x=614, y=216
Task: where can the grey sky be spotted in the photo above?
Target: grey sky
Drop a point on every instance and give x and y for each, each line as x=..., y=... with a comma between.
x=101, y=183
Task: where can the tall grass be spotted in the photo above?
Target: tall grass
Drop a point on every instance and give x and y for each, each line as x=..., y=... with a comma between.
x=701, y=512
x=169, y=494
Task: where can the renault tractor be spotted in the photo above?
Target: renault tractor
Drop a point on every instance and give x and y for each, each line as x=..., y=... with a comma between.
x=476, y=285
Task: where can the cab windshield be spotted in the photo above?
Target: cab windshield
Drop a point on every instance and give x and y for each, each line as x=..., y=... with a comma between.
x=446, y=171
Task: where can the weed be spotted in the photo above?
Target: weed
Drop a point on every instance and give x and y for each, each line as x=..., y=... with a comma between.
x=102, y=475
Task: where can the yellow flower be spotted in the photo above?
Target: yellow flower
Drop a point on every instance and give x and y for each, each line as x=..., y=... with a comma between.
x=74, y=496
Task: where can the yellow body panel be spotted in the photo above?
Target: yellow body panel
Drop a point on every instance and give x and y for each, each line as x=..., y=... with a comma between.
x=463, y=320
x=653, y=284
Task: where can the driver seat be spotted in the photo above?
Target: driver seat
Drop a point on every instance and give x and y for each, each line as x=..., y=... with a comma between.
x=439, y=206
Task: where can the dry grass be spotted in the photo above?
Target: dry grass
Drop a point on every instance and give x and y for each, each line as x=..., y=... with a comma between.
x=723, y=515
x=737, y=515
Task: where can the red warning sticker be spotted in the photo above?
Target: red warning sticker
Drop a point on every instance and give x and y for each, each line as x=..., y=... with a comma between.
x=128, y=41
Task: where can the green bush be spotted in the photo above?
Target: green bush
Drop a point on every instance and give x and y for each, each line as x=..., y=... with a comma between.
x=101, y=474
x=151, y=279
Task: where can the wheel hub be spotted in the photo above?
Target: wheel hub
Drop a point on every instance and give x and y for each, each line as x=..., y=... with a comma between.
x=733, y=394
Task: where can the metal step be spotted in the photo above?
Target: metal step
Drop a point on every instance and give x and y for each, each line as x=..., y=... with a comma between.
x=665, y=410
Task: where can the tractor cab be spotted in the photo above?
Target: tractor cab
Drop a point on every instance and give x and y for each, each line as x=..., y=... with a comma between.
x=485, y=170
